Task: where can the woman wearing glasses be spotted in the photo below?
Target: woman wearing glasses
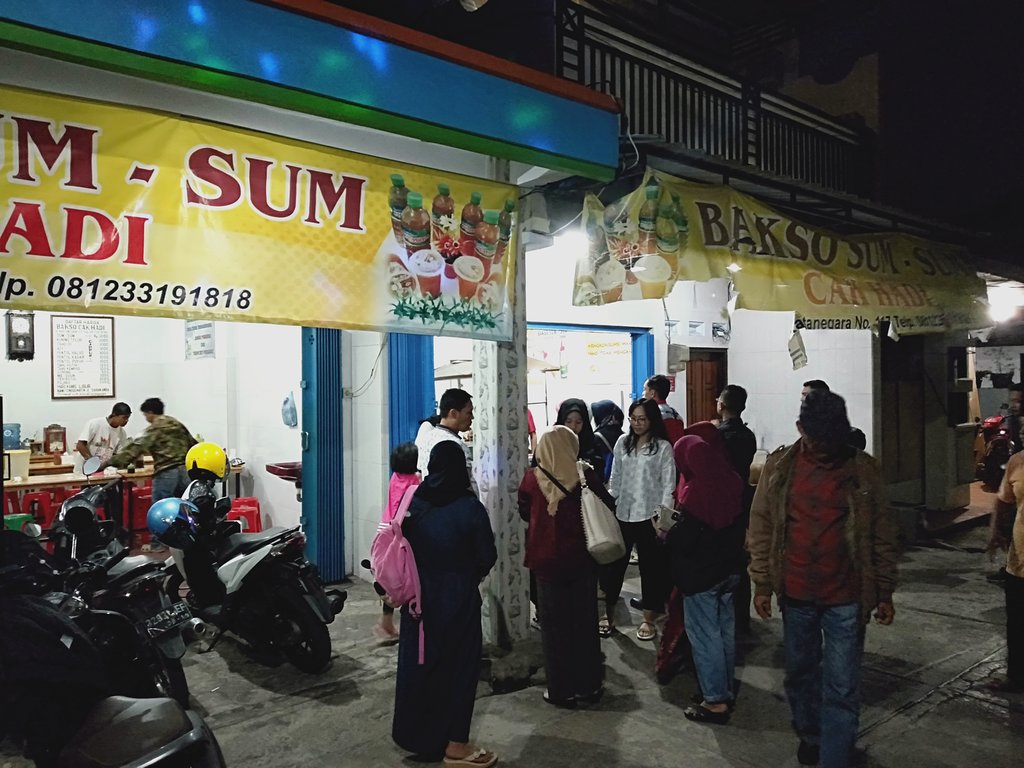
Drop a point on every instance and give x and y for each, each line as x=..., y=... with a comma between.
x=643, y=478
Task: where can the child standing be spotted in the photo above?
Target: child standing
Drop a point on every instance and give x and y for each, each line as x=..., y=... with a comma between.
x=403, y=477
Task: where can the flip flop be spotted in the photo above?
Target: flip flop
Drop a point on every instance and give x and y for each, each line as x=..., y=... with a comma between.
x=646, y=636
x=605, y=628
x=481, y=758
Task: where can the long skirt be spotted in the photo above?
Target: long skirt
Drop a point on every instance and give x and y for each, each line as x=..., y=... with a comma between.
x=434, y=701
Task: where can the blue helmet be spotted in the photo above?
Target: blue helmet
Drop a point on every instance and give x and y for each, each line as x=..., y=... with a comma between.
x=173, y=522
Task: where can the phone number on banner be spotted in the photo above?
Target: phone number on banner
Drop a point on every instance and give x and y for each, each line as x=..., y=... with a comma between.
x=131, y=292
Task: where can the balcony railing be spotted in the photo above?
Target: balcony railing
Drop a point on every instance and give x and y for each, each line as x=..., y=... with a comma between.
x=685, y=104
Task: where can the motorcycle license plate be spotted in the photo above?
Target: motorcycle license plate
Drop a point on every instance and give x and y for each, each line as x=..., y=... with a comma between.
x=168, y=619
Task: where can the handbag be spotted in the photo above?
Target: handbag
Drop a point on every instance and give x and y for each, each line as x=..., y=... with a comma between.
x=600, y=527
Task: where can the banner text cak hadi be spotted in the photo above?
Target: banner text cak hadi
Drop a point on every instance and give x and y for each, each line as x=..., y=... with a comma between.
x=214, y=178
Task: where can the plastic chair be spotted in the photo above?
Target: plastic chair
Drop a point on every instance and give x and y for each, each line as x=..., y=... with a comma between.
x=40, y=506
x=141, y=499
x=12, y=505
x=247, y=510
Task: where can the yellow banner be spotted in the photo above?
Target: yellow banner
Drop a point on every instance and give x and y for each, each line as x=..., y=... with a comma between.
x=126, y=211
x=669, y=230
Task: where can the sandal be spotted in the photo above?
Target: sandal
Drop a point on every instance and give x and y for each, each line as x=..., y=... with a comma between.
x=605, y=628
x=701, y=714
x=479, y=758
x=649, y=635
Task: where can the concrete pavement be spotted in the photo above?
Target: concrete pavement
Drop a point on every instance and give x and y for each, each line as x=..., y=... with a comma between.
x=922, y=705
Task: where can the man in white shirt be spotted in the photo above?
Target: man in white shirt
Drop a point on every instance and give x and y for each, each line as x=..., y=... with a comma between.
x=456, y=412
x=102, y=436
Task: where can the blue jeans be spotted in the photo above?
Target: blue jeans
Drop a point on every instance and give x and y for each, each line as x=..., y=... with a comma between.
x=169, y=483
x=823, y=687
x=710, y=623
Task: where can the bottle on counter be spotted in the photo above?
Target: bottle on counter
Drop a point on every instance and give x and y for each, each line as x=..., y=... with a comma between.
x=397, y=200
x=504, y=230
x=471, y=216
x=415, y=224
x=487, y=234
x=648, y=221
x=443, y=206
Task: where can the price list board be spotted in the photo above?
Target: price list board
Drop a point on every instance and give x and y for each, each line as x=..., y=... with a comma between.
x=81, y=357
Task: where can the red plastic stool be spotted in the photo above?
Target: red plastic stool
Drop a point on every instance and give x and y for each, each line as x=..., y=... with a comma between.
x=141, y=501
x=12, y=506
x=247, y=509
x=60, y=495
x=40, y=506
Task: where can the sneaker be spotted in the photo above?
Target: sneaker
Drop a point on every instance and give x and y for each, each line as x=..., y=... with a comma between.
x=808, y=754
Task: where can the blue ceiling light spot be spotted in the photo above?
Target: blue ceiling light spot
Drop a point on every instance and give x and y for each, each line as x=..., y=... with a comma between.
x=144, y=30
x=375, y=51
x=269, y=65
x=197, y=13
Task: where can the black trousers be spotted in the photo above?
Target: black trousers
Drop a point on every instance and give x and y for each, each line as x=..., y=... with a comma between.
x=568, y=629
x=654, y=567
x=1015, y=628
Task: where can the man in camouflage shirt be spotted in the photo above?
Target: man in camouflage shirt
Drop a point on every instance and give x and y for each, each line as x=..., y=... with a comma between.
x=167, y=440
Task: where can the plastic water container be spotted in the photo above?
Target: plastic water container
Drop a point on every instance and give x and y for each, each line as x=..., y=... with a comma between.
x=12, y=436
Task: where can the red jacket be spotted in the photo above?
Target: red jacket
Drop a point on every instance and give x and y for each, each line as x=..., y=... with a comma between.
x=555, y=546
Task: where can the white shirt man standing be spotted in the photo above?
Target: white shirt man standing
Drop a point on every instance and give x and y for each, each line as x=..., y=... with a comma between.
x=456, y=412
x=103, y=436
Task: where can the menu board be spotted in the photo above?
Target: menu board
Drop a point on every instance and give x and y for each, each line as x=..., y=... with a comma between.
x=81, y=357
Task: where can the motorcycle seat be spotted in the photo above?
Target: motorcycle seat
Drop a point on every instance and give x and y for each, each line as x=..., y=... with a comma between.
x=121, y=731
x=244, y=543
x=129, y=564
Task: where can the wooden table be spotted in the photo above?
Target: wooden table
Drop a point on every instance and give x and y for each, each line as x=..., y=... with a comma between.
x=47, y=482
x=42, y=482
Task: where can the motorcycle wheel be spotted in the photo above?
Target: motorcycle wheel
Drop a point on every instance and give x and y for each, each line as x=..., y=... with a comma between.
x=306, y=642
x=170, y=679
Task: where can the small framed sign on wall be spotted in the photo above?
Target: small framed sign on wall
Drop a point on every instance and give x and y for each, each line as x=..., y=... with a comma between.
x=81, y=357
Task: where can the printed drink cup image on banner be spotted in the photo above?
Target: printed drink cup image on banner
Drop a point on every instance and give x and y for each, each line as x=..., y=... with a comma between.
x=667, y=230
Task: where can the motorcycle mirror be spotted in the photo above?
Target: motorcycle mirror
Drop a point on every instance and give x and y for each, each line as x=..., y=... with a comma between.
x=91, y=466
x=32, y=530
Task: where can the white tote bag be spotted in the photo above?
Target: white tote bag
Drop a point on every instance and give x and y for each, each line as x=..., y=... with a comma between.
x=600, y=528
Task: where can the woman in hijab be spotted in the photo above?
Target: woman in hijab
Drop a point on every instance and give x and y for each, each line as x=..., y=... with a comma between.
x=450, y=534
x=706, y=546
x=674, y=649
x=573, y=413
x=556, y=552
x=609, y=420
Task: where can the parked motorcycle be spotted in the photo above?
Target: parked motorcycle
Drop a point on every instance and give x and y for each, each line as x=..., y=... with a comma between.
x=56, y=697
x=1001, y=442
x=258, y=586
x=100, y=573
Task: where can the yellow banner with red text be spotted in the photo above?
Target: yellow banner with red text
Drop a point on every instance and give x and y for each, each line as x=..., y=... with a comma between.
x=127, y=211
x=669, y=230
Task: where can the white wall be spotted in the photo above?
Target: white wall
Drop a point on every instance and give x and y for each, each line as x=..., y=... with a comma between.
x=139, y=353
x=759, y=361
x=263, y=363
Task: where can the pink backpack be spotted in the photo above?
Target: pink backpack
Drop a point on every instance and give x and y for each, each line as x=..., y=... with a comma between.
x=394, y=565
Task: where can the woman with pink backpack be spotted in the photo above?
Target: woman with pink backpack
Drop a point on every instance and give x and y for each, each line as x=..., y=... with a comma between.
x=404, y=479
x=450, y=534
